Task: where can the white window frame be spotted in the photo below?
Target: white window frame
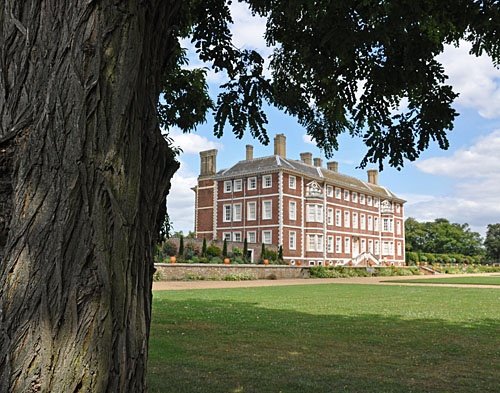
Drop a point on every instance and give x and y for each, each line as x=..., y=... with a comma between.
x=292, y=240
x=376, y=202
x=338, y=245
x=252, y=183
x=370, y=246
x=369, y=200
x=292, y=210
x=377, y=247
x=228, y=186
x=315, y=242
x=354, y=220
x=267, y=215
x=237, y=212
x=338, y=218
x=354, y=197
x=238, y=185
x=226, y=236
x=314, y=212
x=330, y=216
x=398, y=227
x=370, y=223
x=386, y=248
x=376, y=224
x=347, y=245
x=330, y=244
x=251, y=234
x=265, y=234
x=267, y=181
x=329, y=191
x=250, y=216
x=362, y=222
x=347, y=219
x=400, y=249
x=347, y=194
x=338, y=193
x=363, y=245
x=362, y=199
x=227, y=213
x=235, y=237
x=292, y=182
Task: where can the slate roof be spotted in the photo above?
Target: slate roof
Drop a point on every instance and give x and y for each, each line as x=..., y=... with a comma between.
x=263, y=165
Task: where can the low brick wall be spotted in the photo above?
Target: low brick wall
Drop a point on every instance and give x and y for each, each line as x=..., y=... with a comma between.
x=183, y=271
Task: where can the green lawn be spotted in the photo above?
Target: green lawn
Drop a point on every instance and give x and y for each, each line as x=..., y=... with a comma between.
x=489, y=280
x=326, y=338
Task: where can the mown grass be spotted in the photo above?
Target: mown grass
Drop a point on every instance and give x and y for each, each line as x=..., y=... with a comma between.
x=326, y=338
x=488, y=280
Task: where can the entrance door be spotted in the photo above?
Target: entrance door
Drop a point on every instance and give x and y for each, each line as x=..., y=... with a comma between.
x=355, y=247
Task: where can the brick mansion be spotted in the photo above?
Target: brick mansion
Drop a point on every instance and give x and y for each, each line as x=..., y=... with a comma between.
x=318, y=215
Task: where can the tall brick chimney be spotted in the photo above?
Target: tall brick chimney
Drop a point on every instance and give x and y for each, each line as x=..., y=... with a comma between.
x=249, y=156
x=208, y=162
x=306, y=158
x=372, y=176
x=333, y=166
x=318, y=162
x=280, y=145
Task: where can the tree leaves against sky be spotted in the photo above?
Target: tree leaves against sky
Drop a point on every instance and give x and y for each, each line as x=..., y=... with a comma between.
x=338, y=66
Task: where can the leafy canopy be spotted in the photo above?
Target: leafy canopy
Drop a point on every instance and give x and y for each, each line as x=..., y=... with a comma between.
x=492, y=242
x=442, y=237
x=338, y=66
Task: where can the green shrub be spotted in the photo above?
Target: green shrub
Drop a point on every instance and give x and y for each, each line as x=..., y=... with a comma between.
x=193, y=277
x=158, y=276
x=237, y=252
x=238, y=260
x=203, y=260
x=239, y=277
x=216, y=260
x=169, y=248
x=411, y=258
x=213, y=251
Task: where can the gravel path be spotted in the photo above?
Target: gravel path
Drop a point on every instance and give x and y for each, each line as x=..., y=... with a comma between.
x=184, y=285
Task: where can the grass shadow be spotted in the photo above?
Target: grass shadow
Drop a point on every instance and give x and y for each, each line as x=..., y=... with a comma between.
x=199, y=344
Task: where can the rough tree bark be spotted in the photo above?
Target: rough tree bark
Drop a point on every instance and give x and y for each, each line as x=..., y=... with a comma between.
x=83, y=175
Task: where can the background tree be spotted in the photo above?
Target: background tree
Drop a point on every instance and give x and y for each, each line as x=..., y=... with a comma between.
x=245, y=250
x=224, y=248
x=492, y=242
x=442, y=237
x=204, y=248
x=181, y=245
x=85, y=168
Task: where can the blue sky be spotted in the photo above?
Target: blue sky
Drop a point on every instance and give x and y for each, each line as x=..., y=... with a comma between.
x=461, y=184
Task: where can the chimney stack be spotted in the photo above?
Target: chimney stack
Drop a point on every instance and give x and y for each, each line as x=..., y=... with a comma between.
x=372, y=176
x=208, y=165
x=333, y=166
x=318, y=162
x=306, y=158
x=280, y=145
x=249, y=156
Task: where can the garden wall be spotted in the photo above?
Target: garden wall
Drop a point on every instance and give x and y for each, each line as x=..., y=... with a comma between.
x=186, y=271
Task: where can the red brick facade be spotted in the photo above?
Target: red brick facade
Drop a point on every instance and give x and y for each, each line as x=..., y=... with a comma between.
x=318, y=216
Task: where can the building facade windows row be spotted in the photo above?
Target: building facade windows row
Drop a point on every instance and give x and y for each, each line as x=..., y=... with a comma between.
x=237, y=184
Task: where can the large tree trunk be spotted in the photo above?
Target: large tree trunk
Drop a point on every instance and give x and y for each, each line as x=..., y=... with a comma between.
x=83, y=175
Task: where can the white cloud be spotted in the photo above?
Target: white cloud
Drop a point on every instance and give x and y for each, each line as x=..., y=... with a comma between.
x=481, y=160
x=248, y=30
x=193, y=143
x=308, y=140
x=478, y=212
x=474, y=196
x=475, y=78
x=180, y=200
